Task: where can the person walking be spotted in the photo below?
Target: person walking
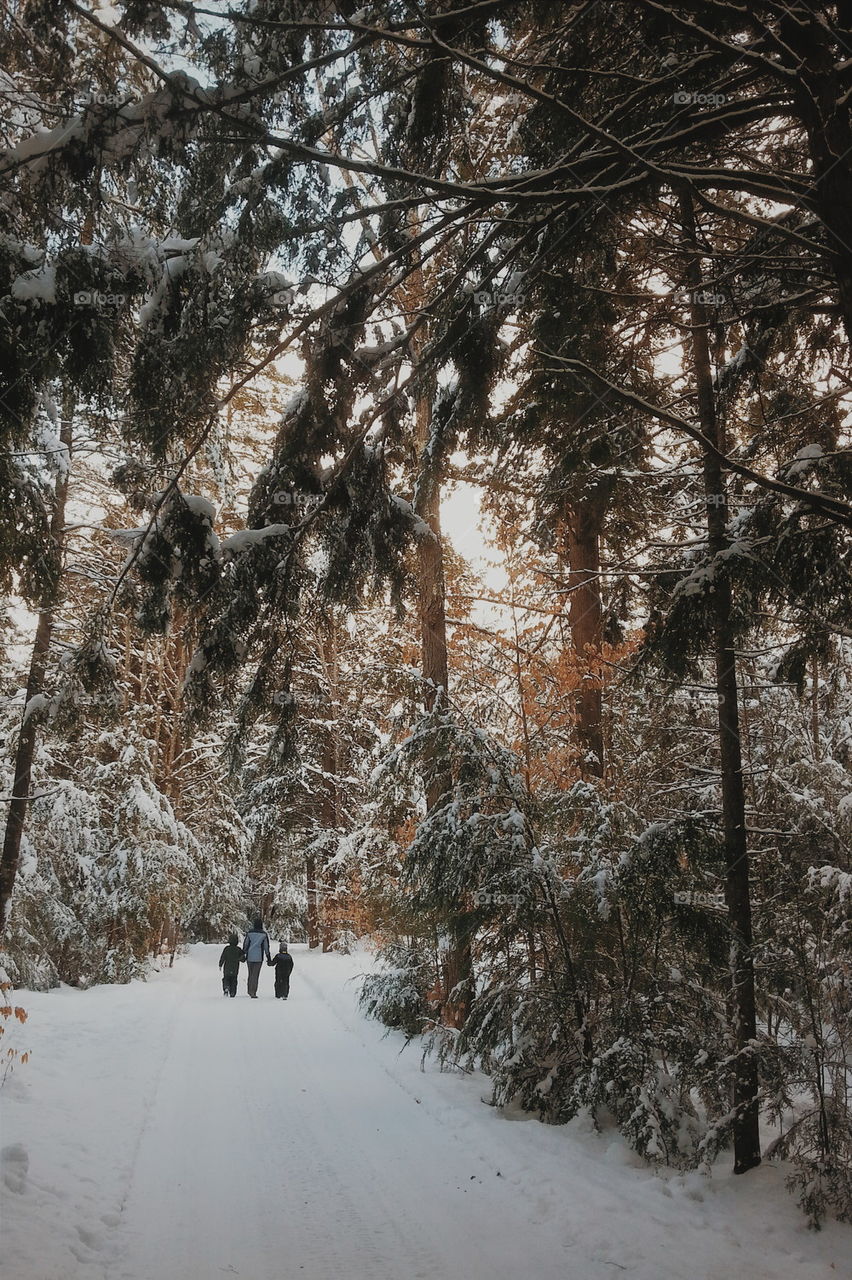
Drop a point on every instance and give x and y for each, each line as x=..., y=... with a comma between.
x=255, y=947
x=283, y=964
x=229, y=963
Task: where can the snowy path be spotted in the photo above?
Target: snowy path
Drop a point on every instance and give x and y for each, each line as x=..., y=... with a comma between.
x=161, y=1132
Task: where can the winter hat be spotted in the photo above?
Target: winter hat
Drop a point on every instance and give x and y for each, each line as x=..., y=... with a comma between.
x=282, y=946
x=258, y=923
x=233, y=939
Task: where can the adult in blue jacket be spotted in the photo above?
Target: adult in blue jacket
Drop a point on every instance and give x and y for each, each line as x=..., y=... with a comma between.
x=255, y=949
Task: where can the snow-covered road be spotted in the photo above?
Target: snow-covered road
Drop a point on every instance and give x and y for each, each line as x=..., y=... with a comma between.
x=161, y=1132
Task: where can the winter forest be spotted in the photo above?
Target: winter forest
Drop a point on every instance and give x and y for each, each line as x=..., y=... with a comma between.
x=426, y=524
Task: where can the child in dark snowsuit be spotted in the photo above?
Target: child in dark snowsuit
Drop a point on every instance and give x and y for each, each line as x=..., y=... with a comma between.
x=229, y=963
x=283, y=963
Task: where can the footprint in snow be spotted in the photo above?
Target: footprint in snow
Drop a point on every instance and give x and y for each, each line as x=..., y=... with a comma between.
x=14, y=1164
x=89, y=1238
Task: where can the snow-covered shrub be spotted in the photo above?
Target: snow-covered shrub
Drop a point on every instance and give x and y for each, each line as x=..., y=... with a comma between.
x=812, y=1099
x=397, y=994
x=106, y=867
x=585, y=1013
x=600, y=945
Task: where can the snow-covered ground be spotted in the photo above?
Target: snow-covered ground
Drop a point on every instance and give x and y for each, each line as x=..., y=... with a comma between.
x=162, y=1132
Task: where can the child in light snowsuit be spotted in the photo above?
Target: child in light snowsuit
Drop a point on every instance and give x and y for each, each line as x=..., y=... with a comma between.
x=283, y=964
x=229, y=963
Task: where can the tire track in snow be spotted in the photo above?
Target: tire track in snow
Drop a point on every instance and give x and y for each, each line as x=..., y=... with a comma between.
x=445, y=1206
x=196, y=1207
x=96, y=1249
x=372, y=1228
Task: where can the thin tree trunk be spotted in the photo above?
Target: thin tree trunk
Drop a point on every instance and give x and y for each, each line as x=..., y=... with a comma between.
x=129, y=664
x=585, y=619
x=159, y=767
x=171, y=784
x=27, y=739
x=737, y=888
x=525, y=731
x=331, y=769
x=456, y=960
x=143, y=672
x=430, y=577
x=312, y=913
x=815, y=707
x=519, y=680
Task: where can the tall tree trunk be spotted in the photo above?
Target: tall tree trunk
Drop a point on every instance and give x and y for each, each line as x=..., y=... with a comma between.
x=815, y=707
x=525, y=737
x=430, y=576
x=176, y=671
x=312, y=913
x=737, y=888
x=585, y=620
x=331, y=769
x=456, y=958
x=27, y=739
